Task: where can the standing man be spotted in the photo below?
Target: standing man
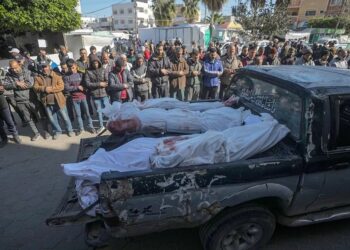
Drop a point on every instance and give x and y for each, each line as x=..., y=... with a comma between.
x=120, y=83
x=212, y=70
x=272, y=58
x=194, y=79
x=107, y=63
x=20, y=81
x=141, y=82
x=63, y=54
x=250, y=58
x=323, y=60
x=177, y=77
x=290, y=58
x=83, y=61
x=230, y=64
x=306, y=58
x=96, y=80
x=6, y=117
x=159, y=68
x=93, y=52
x=73, y=83
x=340, y=60
x=50, y=86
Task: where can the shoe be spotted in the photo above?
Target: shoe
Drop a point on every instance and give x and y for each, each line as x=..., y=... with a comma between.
x=46, y=135
x=78, y=132
x=55, y=137
x=70, y=134
x=35, y=137
x=100, y=130
x=91, y=130
x=17, y=139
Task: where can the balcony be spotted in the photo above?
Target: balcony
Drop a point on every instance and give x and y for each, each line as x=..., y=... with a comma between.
x=294, y=4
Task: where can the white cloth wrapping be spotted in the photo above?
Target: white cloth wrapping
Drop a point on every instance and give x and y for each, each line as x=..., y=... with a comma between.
x=232, y=144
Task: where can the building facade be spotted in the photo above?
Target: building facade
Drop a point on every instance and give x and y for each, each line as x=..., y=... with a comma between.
x=102, y=24
x=303, y=10
x=338, y=7
x=133, y=15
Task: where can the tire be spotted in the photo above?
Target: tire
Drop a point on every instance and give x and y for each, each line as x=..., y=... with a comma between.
x=96, y=234
x=243, y=228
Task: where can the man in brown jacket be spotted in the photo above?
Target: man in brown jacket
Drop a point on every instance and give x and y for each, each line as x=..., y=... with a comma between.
x=50, y=87
x=177, y=77
x=230, y=63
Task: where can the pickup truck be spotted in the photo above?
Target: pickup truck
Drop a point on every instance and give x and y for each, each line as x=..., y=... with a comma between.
x=304, y=179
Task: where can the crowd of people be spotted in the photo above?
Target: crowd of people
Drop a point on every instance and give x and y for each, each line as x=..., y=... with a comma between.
x=74, y=91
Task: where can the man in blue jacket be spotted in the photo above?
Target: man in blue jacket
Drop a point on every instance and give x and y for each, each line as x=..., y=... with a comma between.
x=212, y=70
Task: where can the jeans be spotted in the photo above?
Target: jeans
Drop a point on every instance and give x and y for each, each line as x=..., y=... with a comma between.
x=78, y=106
x=160, y=91
x=192, y=93
x=210, y=92
x=101, y=103
x=52, y=113
x=6, y=117
x=28, y=110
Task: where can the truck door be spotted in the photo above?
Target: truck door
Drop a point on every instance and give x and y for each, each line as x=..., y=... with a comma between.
x=335, y=189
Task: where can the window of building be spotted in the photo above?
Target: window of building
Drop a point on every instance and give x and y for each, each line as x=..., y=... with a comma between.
x=310, y=13
x=121, y=11
x=139, y=9
x=294, y=13
x=115, y=12
x=116, y=22
x=122, y=22
x=336, y=2
x=321, y=12
x=130, y=11
x=130, y=21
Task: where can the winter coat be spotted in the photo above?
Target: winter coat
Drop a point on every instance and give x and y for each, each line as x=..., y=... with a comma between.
x=155, y=64
x=339, y=63
x=210, y=72
x=20, y=95
x=71, y=84
x=141, y=82
x=229, y=63
x=93, y=77
x=176, y=81
x=288, y=60
x=269, y=61
x=57, y=86
x=191, y=79
x=115, y=87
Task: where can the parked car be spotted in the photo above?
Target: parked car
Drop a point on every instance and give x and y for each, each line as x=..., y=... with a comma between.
x=303, y=180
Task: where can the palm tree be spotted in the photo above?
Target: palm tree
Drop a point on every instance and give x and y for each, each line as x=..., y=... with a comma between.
x=214, y=18
x=214, y=5
x=164, y=11
x=191, y=10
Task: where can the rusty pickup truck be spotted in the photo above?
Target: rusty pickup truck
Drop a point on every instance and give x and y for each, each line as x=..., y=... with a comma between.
x=304, y=179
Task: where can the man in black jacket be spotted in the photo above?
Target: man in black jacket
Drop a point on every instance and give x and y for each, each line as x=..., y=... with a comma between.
x=96, y=80
x=141, y=83
x=159, y=68
x=21, y=81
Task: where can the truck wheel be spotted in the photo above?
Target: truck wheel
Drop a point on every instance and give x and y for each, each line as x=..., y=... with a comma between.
x=96, y=234
x=247, y=228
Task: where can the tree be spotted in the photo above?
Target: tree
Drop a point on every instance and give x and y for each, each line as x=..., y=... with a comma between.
x=191, y=10
x=164, y=12
x=342, y=22
x=213, y=6
x=264, y=18
x=38, y=15
x=213, y=19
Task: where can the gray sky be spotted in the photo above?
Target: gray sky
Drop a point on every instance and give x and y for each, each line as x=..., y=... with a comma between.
x=92, y=5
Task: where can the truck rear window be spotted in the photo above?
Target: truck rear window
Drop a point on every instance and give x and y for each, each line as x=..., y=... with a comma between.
x=284, y=105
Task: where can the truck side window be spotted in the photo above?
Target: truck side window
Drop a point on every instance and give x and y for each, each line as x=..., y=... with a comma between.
x=341, y=122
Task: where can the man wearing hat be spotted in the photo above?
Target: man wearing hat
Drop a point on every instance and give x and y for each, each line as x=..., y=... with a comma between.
x=194, y=77
x=306, y=58
x=120, y=83
x=141, y=82
x=50, y=87
x=14, y=52
x=212, y=70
